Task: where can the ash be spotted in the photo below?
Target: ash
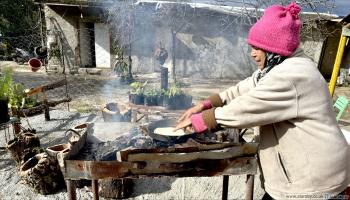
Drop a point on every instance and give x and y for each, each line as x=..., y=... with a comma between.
x=106, y=151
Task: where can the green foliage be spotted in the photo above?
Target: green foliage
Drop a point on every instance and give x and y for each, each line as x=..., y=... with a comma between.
x=117, y=50
x=152, y=92
x=6, y=84
x=55, y=52
x=29, y=102
x=19, y=18
x=174, y=90
x=121, y=67
x=14, y=92
x=17, y=97
x=138, y=87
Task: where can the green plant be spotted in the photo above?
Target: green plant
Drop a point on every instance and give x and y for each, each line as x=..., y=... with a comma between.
x=152, y=92
x=6, y=84
x=55, y=51
x=138, y=87
x=14, y=92
x=174, y=90
x=17, y=96
x=30, y=102
x=121, y=67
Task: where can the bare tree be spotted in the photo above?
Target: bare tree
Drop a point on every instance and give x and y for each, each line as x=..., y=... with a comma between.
x=121, y=17
x=177, y=16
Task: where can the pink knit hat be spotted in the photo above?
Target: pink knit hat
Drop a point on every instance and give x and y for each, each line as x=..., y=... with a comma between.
x=278, y=30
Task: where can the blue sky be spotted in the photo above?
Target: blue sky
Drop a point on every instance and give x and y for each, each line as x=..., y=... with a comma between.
x=342, y=7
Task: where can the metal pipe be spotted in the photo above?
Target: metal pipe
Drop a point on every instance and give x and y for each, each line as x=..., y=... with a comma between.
x=225, y=187
x=337, y=63
x=95, y=189
x=72, y=195
x=249, y=193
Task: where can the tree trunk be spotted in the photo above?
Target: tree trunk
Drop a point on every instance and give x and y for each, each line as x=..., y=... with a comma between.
x=173, y=34
x=18, y=146
x=115, y=188
x=43, y=174
x=130, y=65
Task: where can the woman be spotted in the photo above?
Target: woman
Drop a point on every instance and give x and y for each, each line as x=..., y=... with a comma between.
x=303, y=153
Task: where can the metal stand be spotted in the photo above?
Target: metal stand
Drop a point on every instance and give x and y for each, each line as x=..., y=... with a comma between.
x=5, y=128
x=249, y=193
x=225, y=179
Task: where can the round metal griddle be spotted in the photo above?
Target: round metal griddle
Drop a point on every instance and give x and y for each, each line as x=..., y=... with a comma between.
x=166, y=123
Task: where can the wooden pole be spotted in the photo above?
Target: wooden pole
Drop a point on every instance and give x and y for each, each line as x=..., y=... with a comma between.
x=164, y=78
x=173, y=34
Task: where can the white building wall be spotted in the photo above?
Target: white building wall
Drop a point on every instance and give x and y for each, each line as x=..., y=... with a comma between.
x=66, y=30
x=102, y=45
x=85, y=51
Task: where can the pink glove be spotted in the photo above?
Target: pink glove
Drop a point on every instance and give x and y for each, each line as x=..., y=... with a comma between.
x=198, y=123
x=207, y=104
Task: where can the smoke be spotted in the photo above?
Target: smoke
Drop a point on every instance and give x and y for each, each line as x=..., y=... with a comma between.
x=204, y=38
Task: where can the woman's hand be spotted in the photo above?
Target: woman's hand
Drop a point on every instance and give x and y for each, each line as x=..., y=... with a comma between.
x=186, y=116
x=184, y=124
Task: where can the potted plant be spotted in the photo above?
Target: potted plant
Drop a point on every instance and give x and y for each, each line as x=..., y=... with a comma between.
x=151, y=97
x=177, y=99
x=161, y=96
x=18, y=99
x=136, y=95
x=5, y=92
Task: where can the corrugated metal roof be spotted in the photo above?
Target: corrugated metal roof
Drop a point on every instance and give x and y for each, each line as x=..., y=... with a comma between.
x=234, y=10
x=342, y=7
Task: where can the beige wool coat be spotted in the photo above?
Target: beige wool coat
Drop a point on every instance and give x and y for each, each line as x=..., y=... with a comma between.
x=302, y=150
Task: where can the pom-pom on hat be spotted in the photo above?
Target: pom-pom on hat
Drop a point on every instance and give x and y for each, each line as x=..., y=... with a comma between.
x=278, y=30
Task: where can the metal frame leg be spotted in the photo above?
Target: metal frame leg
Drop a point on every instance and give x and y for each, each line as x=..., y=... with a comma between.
x=225, y=180
x=72, y=194
x=249, y=187
x=95, y=189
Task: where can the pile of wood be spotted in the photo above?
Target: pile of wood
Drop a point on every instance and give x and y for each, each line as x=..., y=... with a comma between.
x=36, y=168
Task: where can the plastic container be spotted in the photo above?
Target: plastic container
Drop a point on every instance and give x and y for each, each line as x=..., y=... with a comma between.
x=35, y=64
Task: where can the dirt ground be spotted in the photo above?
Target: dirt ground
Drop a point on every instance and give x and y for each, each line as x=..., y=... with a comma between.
x=89, y=93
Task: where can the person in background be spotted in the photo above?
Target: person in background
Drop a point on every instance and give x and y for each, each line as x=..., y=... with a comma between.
x=302, y=151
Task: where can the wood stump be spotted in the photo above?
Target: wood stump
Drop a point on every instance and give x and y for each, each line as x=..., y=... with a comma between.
x=116, y=188
x=42, y=173
x=23, y=146
x=116, y=112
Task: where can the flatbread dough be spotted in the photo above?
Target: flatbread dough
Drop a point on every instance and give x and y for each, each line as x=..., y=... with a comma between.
x=168, y=131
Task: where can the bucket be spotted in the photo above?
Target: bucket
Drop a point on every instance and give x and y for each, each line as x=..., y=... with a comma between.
x=35, y=64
